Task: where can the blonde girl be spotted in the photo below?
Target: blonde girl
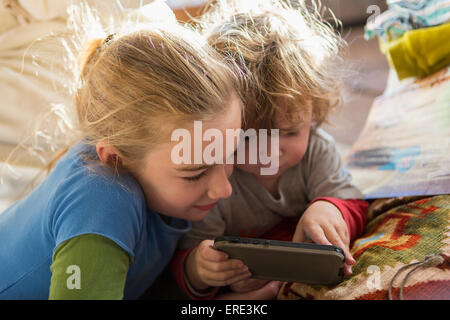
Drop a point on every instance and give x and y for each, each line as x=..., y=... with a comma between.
x=106, y=220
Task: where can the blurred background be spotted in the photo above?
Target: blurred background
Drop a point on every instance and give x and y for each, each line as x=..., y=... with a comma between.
x=368, y=66
x=28, y=87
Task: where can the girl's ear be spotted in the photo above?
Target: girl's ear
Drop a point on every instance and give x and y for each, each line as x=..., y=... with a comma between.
x=108, y=154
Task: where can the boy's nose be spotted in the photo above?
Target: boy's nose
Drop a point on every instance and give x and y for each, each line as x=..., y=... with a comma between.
x=276, y=149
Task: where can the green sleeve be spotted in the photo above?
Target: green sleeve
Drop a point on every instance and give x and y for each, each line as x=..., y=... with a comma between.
x=89, y=266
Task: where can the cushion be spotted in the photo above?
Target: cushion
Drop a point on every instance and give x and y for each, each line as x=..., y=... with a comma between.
x=402, y=231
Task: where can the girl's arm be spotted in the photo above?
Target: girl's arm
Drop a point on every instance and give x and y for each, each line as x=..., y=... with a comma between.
x=88, y=266
x=178, y=264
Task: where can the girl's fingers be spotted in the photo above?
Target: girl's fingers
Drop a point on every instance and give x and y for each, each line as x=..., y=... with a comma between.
x=228, y=265
x=208, y=253
x=220, y=279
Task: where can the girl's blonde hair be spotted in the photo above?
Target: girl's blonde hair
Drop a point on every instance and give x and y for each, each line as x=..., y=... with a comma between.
x=143, y=85
x=131, y=91
x=285, y=50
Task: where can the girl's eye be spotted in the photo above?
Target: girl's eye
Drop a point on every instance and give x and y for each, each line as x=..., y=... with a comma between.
x=197, y=177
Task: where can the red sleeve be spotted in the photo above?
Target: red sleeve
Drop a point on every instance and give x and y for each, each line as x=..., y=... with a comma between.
x=354, y=212
x=177, y=267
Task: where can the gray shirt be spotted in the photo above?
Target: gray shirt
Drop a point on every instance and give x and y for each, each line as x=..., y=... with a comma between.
x=252, y=210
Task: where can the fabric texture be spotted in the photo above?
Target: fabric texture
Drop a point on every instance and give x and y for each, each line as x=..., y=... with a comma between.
x=36, y=71
x=82, y=198
x=405, y=15
x=88, y=267
x=419, y=53
x=400, y=233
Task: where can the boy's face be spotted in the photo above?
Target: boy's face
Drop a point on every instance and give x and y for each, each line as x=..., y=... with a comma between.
x=293, y=142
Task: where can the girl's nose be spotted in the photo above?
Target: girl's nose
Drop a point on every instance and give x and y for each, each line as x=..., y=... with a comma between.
x=220, y=186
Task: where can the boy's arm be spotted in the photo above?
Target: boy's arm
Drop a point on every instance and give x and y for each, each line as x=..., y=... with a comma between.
x=323, y=170
x=354, y=212
x=88, y=266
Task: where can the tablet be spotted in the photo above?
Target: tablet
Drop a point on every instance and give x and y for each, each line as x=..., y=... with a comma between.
x=307, y=263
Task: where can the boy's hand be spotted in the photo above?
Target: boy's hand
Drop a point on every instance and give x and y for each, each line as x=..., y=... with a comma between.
x=323, y=223
x=207, y=267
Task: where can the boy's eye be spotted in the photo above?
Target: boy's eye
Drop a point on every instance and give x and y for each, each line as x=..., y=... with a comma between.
x=290, y=133
x=197, y=177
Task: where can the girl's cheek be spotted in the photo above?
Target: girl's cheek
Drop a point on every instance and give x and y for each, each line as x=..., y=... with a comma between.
x=193, y=193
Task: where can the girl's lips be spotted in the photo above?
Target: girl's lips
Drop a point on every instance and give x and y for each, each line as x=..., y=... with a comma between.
x=207, y=207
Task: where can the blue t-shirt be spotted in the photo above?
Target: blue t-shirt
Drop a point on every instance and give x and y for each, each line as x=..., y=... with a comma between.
x=75, y=200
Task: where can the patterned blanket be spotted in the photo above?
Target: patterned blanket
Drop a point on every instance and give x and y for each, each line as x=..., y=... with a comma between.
x=401, y=232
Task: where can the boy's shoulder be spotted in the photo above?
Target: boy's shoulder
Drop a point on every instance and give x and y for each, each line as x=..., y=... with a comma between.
x=319, y=135
x=320, y=142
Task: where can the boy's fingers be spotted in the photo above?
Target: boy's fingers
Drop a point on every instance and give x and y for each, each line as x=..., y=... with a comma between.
x=347, y=269
x=333, y=236
x=343, y=233
x=298, y=236
x=318, y=236
x=344, y=246
x=349, y=257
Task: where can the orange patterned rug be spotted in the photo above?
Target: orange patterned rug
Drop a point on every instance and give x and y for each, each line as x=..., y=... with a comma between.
x=403, y=232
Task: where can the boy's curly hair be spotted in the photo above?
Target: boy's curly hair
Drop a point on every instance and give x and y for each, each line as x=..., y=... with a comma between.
x=281, y=49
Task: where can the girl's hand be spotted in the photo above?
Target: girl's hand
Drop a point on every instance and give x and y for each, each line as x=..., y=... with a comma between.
x=323, y=223
x=207, y=267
